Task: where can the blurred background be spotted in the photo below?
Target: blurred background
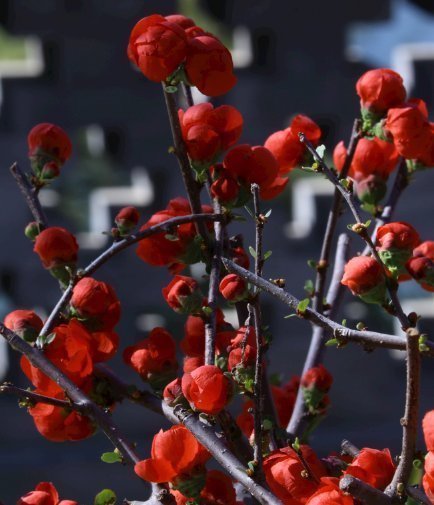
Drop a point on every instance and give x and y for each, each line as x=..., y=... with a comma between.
x=64, y=61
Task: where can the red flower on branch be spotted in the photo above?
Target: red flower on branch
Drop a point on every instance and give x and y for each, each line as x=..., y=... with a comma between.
x=56, y=247
x=48, y=142
x=373, y=466
x=24, y=323
x=233, y=288
x=364, y=276
x=182, y=294
x=174, y=453
x=329, y=493
x=218, y=490
x=380, y=89
x=421, y=265
x=44, y=494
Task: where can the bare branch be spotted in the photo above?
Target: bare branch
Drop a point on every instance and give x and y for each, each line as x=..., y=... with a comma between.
x=32, y=397
x=363, y=492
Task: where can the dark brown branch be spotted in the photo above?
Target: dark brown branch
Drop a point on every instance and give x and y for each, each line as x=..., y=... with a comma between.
x=316, y=347
x=191, y=186
x=30, y=196
x=359, y=228
x=418, y=495
x=208, y=438
x=117, y=247
x=348, y=448
x=363, y=492
x=410, y=420
x=79, y=401
x=368, y=339
x=32, y=397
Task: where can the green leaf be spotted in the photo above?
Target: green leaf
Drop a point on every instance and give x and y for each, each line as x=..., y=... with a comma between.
x=296, y=445
x=309, y=287
x=332, y=342
x=172, y=238
x=268, y=213
x=368, y=222
x=303, y=305
x=312, y=264
x=290, y=315
x=105, y=497
x=252, y=251
x=267, y=255
x=111, y=457
x=321, y=150
x=249, y=211
x=344, y=322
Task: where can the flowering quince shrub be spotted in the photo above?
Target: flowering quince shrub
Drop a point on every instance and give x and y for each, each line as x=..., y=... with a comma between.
x=221, y=397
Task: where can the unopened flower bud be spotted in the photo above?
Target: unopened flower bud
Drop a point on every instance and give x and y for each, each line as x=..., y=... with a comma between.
x=31, y=231
x=126, y=219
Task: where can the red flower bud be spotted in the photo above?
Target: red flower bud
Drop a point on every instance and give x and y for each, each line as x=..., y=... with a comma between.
x=56, y=247
x=48, y=142
x=209, y=65
x=207, y=389
x=372, y=157
x=225, y=188
x=286, y=145
x=371, y=190
x=410, y=130
x=240, y=257
x=284, y=474
x=97, y=303
x=126, y=219
x=24, y=323
x=317, y=377
x=380, y=89
x=182, y=295
x=153, y=356
x=365, y=278
x=157, y=46
x=208, y=131
x=372, y=466
x=192, y=362
x=428, y=478
x=233, y=288
x=174, y=452
x=173, y=392
x=428, y=430
x=397, y=241
x=44, y=494
x=50, y=171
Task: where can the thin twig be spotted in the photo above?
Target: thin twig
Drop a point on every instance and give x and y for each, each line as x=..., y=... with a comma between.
x=117, y=247
x=32, y=397
x=30, y=196
x=418, y=495
x=410, y=420
x=348, y=448
x=79, y=400
x=316, y=347
x=368, y=339
x=191, y=186
x=364, y=492
x=360, y=228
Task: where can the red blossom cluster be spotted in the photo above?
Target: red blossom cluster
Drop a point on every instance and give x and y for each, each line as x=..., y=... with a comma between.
x=44, y=494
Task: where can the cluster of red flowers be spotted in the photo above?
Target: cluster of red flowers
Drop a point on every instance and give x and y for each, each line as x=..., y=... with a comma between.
x=428, y=433
x=174, y=250
x=74, y=347
x=161, y=46
x=403, y=257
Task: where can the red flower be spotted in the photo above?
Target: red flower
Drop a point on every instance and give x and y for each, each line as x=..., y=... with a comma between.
x=218, y=490
x=44, y=494
x=126, y=219
x=233, y=288
x=56, y=247
x=428, y=478
x=70, y=351
x=24, y=323
x=175, y=251
x=240, y=257
x=207, y=389
x=317, y=377
x=372, y=157
x=252, y=165
x=192, y=362
x=48, y=142
x=373, y=467
x=209, y=65
x=182, y=295
x=153, y=355
x=225, y=188
x=97, y=303
x=174, y=452
x=329, y=493
x=104, y=345
x=428, y=430
x=157, y=46
x=58, y=424
x=380, y=89
x=193, y=343
x=242, y=347
x=208, y=131
x=286, y=145
x=284, y=474
x=172, y=391
x=421, y=265
x=410, y=130
x=180, y=20
x=365, y=278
